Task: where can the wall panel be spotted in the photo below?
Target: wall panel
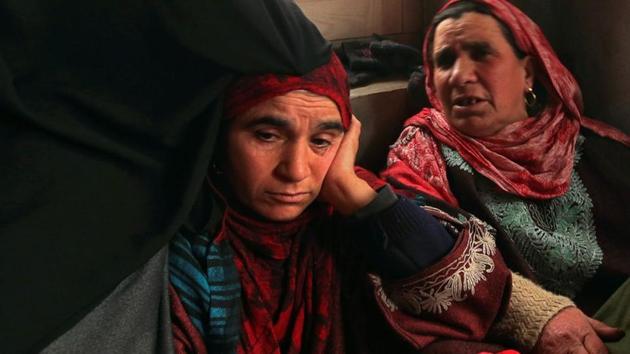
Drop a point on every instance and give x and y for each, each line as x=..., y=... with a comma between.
x=340, y=19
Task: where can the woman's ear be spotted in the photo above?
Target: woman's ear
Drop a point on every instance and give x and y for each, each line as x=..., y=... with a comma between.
x=530, y=71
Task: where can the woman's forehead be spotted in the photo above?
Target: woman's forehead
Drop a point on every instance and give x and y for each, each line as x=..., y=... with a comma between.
x=300, y=104
x=471, y=26
x=302, y=98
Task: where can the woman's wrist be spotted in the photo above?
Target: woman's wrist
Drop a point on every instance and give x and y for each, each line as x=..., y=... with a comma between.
x=530, y=309
x=351, y=195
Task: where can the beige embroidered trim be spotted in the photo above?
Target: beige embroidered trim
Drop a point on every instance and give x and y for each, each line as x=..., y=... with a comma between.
x=380, y=292
x=437, y=291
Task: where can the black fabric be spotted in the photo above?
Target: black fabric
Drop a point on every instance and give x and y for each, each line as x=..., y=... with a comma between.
x=376, y=58
x=604, y=170
x=416, y=94
x=134, y=318
x=108, y=117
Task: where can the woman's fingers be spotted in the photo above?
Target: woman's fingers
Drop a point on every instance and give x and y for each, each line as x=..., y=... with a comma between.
x=352, y=135
x=578, y=350
x=348, y=148
x=606, y=332
x=571, y=331
x=594, y=344
x=342, y=188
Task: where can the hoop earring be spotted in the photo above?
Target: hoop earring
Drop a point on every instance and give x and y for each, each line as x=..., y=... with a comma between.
x=530, y=98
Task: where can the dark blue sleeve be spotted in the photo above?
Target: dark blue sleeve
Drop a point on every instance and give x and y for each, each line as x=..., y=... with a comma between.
x=399, y=237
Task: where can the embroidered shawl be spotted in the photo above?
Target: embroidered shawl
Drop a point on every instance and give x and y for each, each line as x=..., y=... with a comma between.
x=532, y=158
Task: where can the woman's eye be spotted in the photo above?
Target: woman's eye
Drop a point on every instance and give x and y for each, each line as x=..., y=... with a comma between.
x=321, y=143
x=266, y=136
x=445, y=60
x=479, y=54
x=481, y=51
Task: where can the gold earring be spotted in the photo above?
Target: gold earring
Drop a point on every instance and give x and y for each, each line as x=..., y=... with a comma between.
x=530, y=98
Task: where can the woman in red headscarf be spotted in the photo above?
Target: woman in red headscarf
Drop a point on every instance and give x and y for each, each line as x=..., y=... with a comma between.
x=506, y=140
x=309, y=258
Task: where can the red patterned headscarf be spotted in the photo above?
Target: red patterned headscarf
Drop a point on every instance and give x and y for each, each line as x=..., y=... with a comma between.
x=328, y=80
x=532, y=158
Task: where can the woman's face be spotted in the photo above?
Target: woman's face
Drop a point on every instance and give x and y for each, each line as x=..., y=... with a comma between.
x=279, y=152
x=478, y=78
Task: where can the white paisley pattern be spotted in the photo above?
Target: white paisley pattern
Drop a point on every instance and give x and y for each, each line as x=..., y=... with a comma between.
x=436, y=292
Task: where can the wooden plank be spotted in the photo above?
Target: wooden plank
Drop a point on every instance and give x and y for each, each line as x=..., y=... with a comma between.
x=413, y=39
x=340, y=19
x=381, y=115
x=429, y=8
x=391, y=16
x=412, y=15
x=378, y=87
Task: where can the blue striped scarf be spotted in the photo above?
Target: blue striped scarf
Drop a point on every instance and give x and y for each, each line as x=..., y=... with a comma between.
x=205, y=278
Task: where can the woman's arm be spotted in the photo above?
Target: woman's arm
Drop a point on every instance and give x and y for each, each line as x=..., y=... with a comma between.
x=435, y=275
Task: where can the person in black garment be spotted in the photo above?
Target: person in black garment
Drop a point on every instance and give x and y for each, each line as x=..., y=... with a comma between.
x=109, y=116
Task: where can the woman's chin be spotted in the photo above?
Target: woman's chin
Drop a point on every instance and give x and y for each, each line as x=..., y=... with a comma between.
x=281, y=214
x=483, y=124
x=474, y=127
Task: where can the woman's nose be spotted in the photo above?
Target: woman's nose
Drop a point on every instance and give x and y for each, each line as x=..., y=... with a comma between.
x=464, y=71
x=294, y=166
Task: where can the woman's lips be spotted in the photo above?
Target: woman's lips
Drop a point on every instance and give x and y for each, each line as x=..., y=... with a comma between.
x=289, y=198
x=465, y=100
x=468, y=106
